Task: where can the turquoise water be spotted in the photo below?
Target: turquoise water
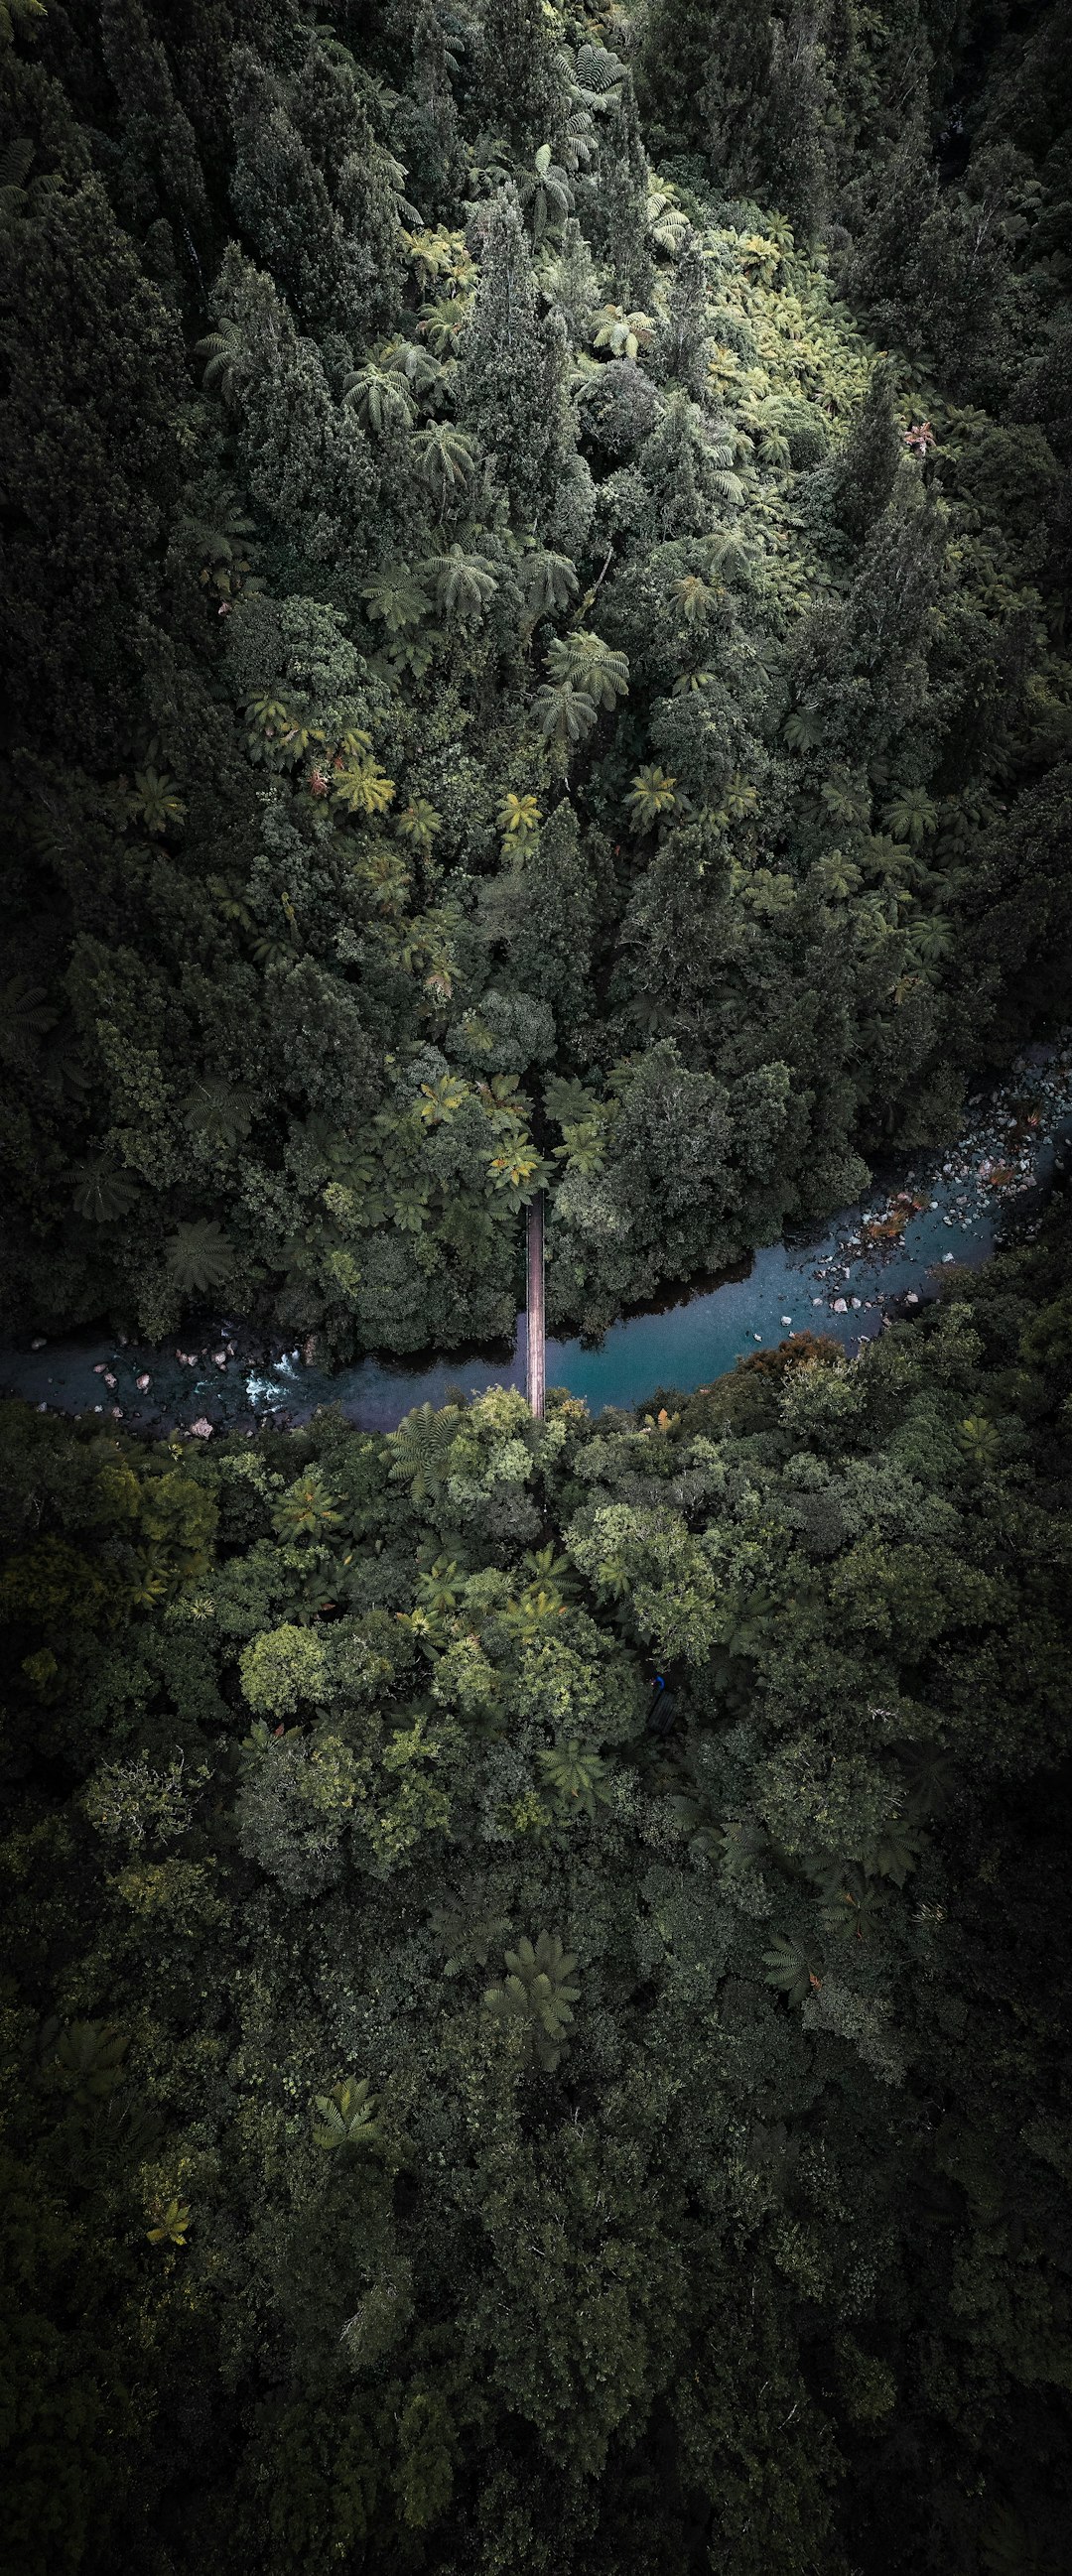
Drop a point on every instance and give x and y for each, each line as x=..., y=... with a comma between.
x=841, y=1283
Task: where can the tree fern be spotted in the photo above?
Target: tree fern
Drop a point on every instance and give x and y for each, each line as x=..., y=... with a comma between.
x=91, y=2054
x=911, y=814
x=548, y=581
x=397, y=597
x=420, y=1448
x=25, y=1015
x=652, y=793
x=218, y=1110
x=222, y=351
x=793, y=1967
x=381, y=397
x=565, y=714
x=624, y=334
x=419, y=822
x=802, y=729
x=308, y=1509
x=464, y=584
x=599, y=75
x=199, y=1257
x=533, y=2006
x=467, y=1937
x=577, y=1777
x=446, y=459
x=102, y=1194
x=346, y=2116
x=15, y=163
x=591, y=665
x=172, y=2224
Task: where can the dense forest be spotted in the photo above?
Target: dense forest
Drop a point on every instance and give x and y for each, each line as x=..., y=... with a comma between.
x=534, y=1971
x=460, y=2118
x=535, y=559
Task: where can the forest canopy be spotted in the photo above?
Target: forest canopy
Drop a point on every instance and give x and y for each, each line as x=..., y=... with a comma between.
x=534, y=1952
x=468, y=2110
x=536, y=548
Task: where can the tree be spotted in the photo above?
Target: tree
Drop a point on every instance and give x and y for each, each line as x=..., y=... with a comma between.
x=861, y=477
x=624, y=185
x=552, y=918
x=521, y=91
x=505, y=398
x=445, y=460
x=306, y=460
x=199, y=1257
x=533, y=2007
x=688, y=323
x=95, y=467
x=426, y=119
x=465, y=584
x=312, y=190
x=162, y=176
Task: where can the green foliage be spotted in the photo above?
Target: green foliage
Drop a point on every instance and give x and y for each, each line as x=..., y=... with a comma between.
x=532, y=433
x=347, y=2116
x=420, y=1448
x=199, y=1257
x=404, y=411
x=282, y=1668
x=389, y=1702
x=533, y=2008
x=576, y=1775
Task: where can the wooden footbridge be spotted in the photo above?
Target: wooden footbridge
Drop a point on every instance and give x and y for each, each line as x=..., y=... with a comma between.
x=537, y=1332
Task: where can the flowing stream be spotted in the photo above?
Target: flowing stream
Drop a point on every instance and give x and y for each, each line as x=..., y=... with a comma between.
x=884, y=1255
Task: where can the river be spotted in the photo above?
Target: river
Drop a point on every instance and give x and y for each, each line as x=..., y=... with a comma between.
x=883, y=1256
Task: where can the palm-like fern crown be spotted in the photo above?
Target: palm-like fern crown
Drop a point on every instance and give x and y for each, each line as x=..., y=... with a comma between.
x=534, y=2004
x=591, y=665
x=563, y=712
x=548, y=581
x=420, y=1448
x=465, y=584
x=199, y=1257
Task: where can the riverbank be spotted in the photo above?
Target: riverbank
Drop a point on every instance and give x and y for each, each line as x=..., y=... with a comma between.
x=878, y=1259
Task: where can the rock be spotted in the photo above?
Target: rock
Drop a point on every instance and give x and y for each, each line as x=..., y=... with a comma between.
x=201, y=1430
x=39, y=1344
x=787, y=1319
x=220, y=1358
x=949, y=1256
x=757, y=1337
x=98, y=1368
x=912, y=1298
x=816, y=1301
x=840, y=1306
x=109, y=1379
x=143, y=1384
x=857, y=1301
